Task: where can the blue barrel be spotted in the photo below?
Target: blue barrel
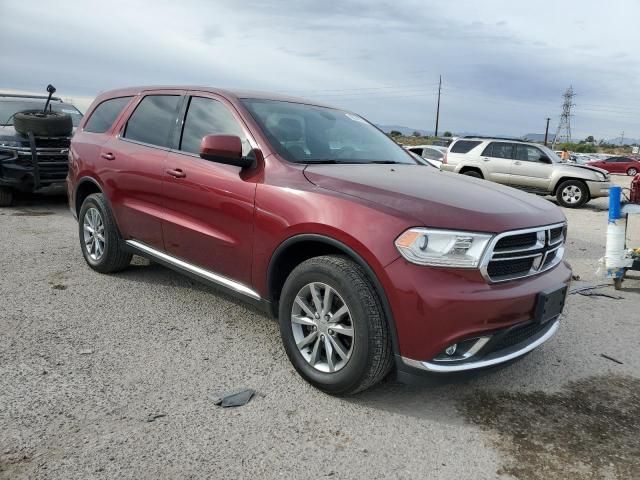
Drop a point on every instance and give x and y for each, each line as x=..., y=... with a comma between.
x=615, y=195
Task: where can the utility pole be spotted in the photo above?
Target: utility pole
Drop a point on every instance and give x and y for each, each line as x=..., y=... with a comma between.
x=564, y=127
x=546, y=132
x=622, y=138
x=438, y=108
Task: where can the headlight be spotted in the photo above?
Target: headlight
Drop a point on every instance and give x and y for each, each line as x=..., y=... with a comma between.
x=442, y=248
x=9, y=143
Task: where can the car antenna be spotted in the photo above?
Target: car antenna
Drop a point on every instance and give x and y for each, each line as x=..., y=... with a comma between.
x=51, y=89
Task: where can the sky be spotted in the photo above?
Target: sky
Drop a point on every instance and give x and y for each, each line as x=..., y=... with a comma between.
x=504, y=64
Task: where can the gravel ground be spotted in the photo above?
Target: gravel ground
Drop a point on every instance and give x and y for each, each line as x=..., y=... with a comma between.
x=115, y=377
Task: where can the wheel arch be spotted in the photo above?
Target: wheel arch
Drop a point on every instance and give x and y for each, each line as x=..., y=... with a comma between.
x=85, y=187
x=299, y=248
x=563, y=179
x=474, y=168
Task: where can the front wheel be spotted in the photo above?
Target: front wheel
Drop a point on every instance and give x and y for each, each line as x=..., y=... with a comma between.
x=632, y=172
x=333, y=326
x=572, y=194
x=100, y=240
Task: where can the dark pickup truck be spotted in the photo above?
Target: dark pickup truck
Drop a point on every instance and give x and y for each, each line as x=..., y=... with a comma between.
x=34, y=145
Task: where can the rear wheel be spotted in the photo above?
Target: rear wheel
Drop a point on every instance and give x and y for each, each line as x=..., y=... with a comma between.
x=473, y=173
x=572, y=194
x=100, y=241
x=333, y=326
x=632, y=172
x=6, y=197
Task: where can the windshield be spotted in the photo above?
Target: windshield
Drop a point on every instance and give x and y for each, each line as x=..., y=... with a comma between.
x=551, y=154
x=311, y=134
x=8, y=108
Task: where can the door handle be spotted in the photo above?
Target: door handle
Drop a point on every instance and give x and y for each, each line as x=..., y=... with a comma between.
x=486, y=159
x=177, y=173
x=108, y=156
x=517, y=163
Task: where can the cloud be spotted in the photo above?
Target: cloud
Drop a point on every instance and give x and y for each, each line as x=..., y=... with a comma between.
x=505, y=65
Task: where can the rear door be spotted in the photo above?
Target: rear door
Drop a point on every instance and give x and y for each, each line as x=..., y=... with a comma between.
x=497, y=159
x=529, y=169
x=136, y=159
x=209, y=206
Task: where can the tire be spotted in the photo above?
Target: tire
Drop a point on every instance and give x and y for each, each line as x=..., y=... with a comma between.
x=472, y=173
x=112, y=257
x=572, y=194
x=50, y=124
x=632, y=172
x=6, y=197
x=370, y=346
x=617, y=283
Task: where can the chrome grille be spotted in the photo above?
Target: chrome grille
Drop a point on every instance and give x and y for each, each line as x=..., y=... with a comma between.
x=522, y=253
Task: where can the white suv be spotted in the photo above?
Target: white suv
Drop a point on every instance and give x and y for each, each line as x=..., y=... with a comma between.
x=527, y=166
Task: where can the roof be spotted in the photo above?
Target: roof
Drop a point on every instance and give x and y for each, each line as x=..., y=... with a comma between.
x=18, y=96
x=237, y=94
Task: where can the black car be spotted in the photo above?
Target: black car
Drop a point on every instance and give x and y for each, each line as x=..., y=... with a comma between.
x=34, y=142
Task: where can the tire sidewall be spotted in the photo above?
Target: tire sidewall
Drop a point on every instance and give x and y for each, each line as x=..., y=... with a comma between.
x=472, y=173
x=92, y=202
x=583, y=199
x=356, y=367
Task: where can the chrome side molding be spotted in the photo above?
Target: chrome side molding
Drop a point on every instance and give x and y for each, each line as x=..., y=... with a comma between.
x=200, y=272
x=440, y=368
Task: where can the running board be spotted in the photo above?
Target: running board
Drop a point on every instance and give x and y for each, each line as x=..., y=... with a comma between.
x=194, y=270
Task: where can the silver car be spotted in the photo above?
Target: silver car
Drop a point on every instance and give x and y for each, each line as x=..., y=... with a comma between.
x=527, y=166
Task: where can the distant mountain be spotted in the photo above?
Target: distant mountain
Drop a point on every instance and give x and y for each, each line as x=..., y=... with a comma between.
x=538, y=137
x=627, y=141
x=406, y=131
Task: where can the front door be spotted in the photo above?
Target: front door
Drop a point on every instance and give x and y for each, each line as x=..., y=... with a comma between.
x=530, y=168
x=209, y=206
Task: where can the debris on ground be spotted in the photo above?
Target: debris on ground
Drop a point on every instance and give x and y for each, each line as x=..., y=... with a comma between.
x=611, y=358
x=153, y=416
x=587, y=287
x=599, y=294
x=235, y=399
x=86, y=351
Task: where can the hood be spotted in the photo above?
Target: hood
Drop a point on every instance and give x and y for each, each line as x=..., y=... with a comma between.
x=438, y=199
x=573, y=166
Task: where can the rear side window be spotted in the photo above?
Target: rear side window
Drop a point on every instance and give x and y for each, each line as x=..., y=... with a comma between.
x=206, y=116
x=105, y=114
x=463, y=146
x=153, y=119
x=499, y=150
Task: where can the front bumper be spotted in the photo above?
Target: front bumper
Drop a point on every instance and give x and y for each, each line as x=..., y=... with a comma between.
x=434, y=308
x=598, y=189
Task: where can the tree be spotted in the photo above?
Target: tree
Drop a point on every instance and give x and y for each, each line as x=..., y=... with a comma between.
x=417, y=134
x=590, y=139
x=448, y=134
x=395, y=133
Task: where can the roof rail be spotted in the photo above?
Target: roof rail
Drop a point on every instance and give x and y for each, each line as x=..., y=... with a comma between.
x=37, y=97
x=512, y=139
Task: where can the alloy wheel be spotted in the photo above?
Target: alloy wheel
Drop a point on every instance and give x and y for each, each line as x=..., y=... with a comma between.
x=571, y=194
x=93, y=229
x=632, y=172
x=322, y=327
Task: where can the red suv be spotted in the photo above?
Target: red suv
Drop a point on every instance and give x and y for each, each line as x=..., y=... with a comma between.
x=370, y=261
x=630, y=166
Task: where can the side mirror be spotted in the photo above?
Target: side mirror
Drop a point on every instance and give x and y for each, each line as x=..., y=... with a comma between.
x=544, y=159
x=225, y=149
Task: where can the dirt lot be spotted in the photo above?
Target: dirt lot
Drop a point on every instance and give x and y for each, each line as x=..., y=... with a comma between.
x=115, y=376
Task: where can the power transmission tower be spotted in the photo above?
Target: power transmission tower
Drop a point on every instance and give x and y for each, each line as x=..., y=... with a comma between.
x=622, y=138
x=564, y=127
x=438, y=108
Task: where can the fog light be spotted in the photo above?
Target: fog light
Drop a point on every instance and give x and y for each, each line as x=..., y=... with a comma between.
x=451, y=349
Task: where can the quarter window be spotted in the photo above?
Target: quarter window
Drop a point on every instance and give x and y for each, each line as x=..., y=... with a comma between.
x=105, y=114
x=153, y=119
x=206, y=116
x=464, y=146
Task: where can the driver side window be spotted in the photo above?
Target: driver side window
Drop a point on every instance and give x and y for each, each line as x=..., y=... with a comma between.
x=528, y=153
x=206, y=116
